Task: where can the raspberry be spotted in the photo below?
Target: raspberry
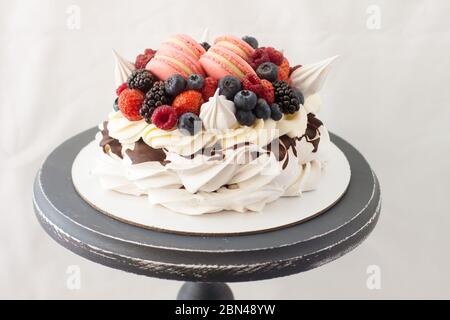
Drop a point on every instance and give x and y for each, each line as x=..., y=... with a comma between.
x=143, y=59
x=259, y=56
x=292, y=69
x=283, y=70
x=188, y=101
x=165, y=117
x=209, y=88
x=122, y=87
x=130, y=101
x=275, y=56
x=266, y=54
x=269, y=93
x=253, y=83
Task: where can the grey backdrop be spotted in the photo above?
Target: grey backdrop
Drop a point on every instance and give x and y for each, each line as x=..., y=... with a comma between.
x=388, y=94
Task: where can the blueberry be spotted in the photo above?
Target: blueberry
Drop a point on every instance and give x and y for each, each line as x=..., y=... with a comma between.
x=268, y=71
x=245, y=118
x=175, y=84
x=205, y=45
x=116, y=104
x=251, y=41
x=299, y=95
x=189, y=123
x=195, y=82
x=275, y=112
x=229, y=86
x=262, y=109
x=245, y=100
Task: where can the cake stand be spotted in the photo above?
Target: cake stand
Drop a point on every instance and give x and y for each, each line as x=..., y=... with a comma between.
x=205, y=263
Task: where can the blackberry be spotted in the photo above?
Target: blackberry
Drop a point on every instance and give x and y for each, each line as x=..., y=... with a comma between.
x=141, y=79
x=285, y=97
x=155, y=97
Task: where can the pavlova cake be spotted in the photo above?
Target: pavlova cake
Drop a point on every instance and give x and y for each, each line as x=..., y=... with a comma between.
x=200, y=128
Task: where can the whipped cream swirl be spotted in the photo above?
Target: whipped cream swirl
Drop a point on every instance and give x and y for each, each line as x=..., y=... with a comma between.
x=240, y=179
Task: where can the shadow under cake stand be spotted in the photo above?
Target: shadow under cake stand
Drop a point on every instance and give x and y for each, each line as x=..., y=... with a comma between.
x=205, y=263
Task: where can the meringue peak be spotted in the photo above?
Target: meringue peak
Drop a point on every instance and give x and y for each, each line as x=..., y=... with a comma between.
x=309, y=79
x=205, y=36
x=218, y=113
x=122, y=69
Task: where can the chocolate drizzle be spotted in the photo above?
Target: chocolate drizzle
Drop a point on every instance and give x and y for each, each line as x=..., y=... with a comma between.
x=281, y=150
x=108, y=143
x=284, y=143
x=142, y=152
x=216, y=152
x=312, y=133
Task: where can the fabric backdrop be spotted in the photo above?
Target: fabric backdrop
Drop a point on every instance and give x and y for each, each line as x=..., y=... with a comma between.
x=388, y=95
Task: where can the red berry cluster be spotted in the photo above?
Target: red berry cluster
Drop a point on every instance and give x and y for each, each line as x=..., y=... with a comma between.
x=265, y=54
x=144, y=96
x=144, y=58
x=136, y=100
x=261, y=87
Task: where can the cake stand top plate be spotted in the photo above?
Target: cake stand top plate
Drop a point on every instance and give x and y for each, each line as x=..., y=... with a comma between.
x=77, y=226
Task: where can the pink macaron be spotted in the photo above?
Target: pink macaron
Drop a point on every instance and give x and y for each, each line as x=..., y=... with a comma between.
x=185, y=44
x=238, y=46
x=178, y=54
x=168, y=61
x=219, y=62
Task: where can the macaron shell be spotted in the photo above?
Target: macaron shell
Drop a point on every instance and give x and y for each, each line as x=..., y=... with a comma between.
x=163, y=69
x=219, y=62
x=169, y=61
x=238, y=46
x=235, y=59
x=181, y=57
x=193, y=45
x=214, y=68
x=185, y=44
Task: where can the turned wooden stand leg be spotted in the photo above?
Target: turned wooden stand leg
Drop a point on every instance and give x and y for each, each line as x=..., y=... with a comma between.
x=205, y=291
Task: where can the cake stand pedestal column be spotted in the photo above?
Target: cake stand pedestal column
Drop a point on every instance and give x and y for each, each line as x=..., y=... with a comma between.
x=205, y=263
x=205, y=291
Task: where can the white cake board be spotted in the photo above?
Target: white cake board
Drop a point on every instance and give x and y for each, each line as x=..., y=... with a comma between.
x=280, y=213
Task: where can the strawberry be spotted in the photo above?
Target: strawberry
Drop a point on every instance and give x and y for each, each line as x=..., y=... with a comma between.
x=209, y=88
x=283, y=70
x=188, y=101
x=268, y=91
x=130, y=101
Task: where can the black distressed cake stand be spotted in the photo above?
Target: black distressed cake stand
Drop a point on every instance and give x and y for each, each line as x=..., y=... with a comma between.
x=205, y=263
